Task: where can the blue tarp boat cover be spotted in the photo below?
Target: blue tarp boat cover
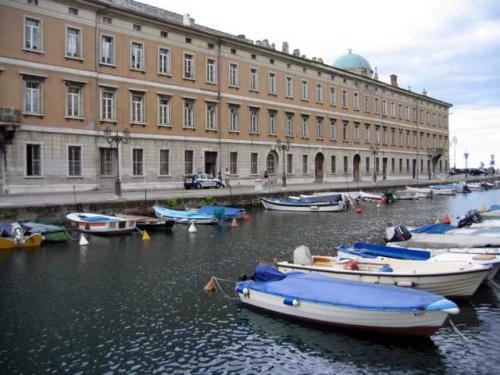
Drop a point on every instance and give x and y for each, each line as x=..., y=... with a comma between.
x=322, y=198
x=41, y=228
x=227, y=211
x=5, y=229
x=177, y=214
x=266, y=272
x=317, y=288
x=439, y=228
x=495, y=207
x=373, y=250
x=92, y=219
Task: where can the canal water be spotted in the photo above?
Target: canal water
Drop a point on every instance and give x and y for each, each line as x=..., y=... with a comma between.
x=122, y=305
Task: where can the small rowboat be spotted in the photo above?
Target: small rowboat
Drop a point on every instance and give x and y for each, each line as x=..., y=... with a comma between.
x=148, y=222
x=50, y=233
x=13, y=236
x=185, y=217
x=100, y=224
x=420, y=192
x=344, y=303
x=304, y=205
x=457, y=279
x=443, y=190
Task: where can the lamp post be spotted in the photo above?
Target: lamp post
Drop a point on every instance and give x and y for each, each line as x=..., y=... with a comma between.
x=454, y=141
x=115, y=138
x=466, y=156
x=374, y=151
x=283, y=146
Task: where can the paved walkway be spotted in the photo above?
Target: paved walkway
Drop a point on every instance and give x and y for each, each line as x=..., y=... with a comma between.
x=57, y=199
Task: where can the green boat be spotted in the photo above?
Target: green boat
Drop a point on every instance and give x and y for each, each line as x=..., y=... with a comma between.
x=50, y=233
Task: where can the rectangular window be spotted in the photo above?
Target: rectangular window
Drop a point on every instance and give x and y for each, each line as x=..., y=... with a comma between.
x=211, y=70
x=393, y=165
x=289, y=163
x=344, y=99
x=333, y=129
x=74, y=161
x=346, y=165
x=289, y=87
x=407, y=137
x=32, y=34
x=211, y=116
x=254, y=120
x=305, y=126
x=33, y=160
x=33, y=96
x=333, y=164
x=384, y=107
x=188, y=66
x=234, y=75
x=377, y=165
x=137, y=56
x=273, y=122
x=377, y=106
x=400, y=165
x=108, y=161
x=356, y=132
x=108, y=104
x=304, y=90
x=271, y=83
x=164, y=110
x=345, y=130
x=164, y=61
x=234, y=118
x=356, y=100
x=188, y=114
x=254, y=163
x=107, y=50
x=137, y=113
x=319, y=92
x=400, y=111
x=384, y=135
x=377, y=134
x=367, y=104
x=367, y=164
x=367, y=133
x=254, y=79
x=164, y=162
x=74, y=106
x=333, y=95
x=408, y=165
x=73, y=42
x=188, y=161
x=289, y=124
x=233, y=163
x=400, y=137
x=137, y=162
x=319, y=127
x=304, y=164
x=393, y=109
x=393, y=136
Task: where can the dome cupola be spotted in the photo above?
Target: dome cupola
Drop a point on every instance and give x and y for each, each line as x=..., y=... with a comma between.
x=354, y=63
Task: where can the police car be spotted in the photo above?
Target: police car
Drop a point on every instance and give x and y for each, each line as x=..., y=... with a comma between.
x=201, y=180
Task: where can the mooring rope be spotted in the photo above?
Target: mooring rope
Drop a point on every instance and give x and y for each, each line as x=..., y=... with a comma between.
x=222, y=290
x=494, y=284
x=459, y=333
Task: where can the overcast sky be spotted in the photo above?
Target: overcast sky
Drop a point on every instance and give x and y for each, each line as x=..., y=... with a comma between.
x=449, y=47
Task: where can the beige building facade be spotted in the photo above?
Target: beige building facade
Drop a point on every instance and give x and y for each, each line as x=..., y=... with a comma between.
x=194, y=99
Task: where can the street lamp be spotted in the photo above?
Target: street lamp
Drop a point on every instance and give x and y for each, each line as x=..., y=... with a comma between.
x=454, y=141
x=115, y=138
x=374, y=150
x=466, y=156
x=283, y=146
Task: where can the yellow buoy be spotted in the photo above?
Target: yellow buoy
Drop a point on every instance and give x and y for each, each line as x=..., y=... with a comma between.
x=145, y=236
x=437, y=221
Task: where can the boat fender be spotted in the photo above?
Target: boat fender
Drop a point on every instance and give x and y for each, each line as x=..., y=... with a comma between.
x=385, y=268
x=352, y=265
x=243, y=290
x=446, y=220
x=291, y=301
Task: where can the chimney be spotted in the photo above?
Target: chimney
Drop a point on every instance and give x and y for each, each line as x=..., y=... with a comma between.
x=296, y=52
x=314, y=59
x=320, y=60
x=187, y=20
x=273, y=46
x=284, y=47
x=375, y=76
x=241, y=36
x=394, y=80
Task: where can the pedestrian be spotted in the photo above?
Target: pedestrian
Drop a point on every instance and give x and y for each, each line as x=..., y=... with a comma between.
x=227, y=181
x=266, y=178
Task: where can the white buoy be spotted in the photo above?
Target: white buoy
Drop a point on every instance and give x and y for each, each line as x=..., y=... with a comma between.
x=83, y=240
x=192, y=228
x=378, y=205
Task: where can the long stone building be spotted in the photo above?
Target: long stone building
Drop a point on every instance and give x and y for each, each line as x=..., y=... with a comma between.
x=75, y=73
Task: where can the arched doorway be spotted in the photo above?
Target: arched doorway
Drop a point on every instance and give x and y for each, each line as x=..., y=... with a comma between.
x=272, y=163
x=355, y=167
x=318, y=167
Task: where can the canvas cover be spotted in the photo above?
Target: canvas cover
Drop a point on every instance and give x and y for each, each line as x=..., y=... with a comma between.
x=226, y=211
x=317, y=288
x=439, y=228
x=373, y=250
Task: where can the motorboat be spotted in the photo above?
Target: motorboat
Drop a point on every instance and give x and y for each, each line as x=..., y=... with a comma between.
x=406, y=195
x=148, y=222
x=350, y=304
x=186, y=216
x=443, y=190
x=100, y=224
x=475, y=186
x=421, y=192
x=50, y=232
x=332, y=204
x=369, y=250
x=493, y=213
x=450, y=279
x=14, y=236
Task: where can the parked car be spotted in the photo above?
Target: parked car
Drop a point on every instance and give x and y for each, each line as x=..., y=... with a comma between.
x=477, y=172
x=201, y=180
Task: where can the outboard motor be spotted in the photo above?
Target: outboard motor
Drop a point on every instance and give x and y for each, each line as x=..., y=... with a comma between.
x=398, y=234
x=469, y=218
x=302, y=255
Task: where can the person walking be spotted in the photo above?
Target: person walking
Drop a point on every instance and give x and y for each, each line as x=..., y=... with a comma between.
x=227, y=181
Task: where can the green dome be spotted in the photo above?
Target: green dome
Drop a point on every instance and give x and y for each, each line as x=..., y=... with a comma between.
x=354, y=62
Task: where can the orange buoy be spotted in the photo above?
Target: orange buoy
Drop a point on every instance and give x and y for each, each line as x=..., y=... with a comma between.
x=211, y=286
x=359, y=210
x=446, y=220
x=246, y=217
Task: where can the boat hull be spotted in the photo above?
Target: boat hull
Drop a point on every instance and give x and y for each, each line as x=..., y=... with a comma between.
x=34, y=240
x=100, y=224
x=421, y=323
x=313, y=207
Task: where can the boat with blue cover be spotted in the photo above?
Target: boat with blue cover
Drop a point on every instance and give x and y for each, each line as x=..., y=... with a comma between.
x=350, y=304
x=185, y=217
x=223, y=212
x=330, y=203
x=493, y=213
x=50, y=232
x=370, y=250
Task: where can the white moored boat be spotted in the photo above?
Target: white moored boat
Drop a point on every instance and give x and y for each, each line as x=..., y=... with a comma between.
x=421, y=192
x=344, y=303
x=443, y=190
x=100, y=224
x=306, y=205
x=444, y=278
